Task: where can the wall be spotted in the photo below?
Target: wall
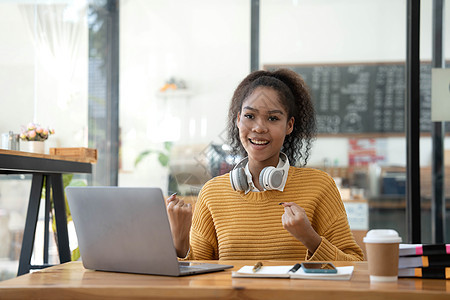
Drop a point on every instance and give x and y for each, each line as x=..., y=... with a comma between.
x=33, y=87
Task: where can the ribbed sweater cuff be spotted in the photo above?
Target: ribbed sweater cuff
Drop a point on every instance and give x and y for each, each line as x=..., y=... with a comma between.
x=189, y=256
x=325, y=252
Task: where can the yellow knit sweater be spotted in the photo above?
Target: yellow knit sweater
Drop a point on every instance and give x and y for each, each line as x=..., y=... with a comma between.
x=231, y=225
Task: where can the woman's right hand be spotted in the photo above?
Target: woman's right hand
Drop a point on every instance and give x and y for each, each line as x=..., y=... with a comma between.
x=180, y=219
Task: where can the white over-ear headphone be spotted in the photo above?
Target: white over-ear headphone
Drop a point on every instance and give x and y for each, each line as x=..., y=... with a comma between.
x=270, y=178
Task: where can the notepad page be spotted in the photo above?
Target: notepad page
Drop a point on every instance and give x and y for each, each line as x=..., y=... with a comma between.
x=265, y=271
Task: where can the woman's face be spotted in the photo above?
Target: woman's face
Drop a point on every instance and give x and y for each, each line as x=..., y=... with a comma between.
x=263, y=124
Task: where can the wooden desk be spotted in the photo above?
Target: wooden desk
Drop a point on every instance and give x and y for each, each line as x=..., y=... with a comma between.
x=50, y=168
x=72, y=281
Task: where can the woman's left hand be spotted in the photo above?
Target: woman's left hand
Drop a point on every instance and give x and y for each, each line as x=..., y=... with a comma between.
x=180, y=219
x=296, y=222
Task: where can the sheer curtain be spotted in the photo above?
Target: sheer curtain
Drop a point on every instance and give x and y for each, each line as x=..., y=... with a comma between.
x=56, y=31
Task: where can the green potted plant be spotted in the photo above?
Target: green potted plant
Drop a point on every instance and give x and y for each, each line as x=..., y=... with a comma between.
x=163, y=156
x=164, y=160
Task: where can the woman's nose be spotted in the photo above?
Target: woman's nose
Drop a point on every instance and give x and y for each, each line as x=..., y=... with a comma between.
x=260, y=126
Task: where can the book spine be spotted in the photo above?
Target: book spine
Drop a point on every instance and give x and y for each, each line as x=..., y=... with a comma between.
x=429, y=273
x=442, y=260
x=435, y=249
x=412, y=262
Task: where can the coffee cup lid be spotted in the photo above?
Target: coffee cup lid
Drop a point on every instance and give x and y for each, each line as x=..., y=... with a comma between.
x=382, y=236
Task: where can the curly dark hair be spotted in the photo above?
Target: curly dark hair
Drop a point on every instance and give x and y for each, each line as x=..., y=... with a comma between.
x=295, y=98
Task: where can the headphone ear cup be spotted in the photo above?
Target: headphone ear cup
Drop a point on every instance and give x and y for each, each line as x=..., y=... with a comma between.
x=271, y=178
x=238, y=180
x=276, y=178
x=263, y=177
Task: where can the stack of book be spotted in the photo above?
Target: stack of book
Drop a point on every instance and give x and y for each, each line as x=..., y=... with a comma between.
x=424, y=261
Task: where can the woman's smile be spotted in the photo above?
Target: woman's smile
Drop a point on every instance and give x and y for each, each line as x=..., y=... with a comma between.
x=258, y=142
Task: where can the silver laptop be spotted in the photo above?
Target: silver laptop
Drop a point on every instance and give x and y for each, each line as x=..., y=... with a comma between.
x=127, y=230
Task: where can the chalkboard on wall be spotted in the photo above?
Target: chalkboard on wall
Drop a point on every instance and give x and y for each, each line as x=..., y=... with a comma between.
x=363, y=98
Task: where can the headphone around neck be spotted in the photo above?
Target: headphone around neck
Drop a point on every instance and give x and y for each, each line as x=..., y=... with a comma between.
x=270, y=178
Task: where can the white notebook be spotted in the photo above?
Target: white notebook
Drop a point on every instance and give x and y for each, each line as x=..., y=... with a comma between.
x=343, y=273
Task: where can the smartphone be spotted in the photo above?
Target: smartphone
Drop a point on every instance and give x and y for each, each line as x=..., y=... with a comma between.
x=319, y=267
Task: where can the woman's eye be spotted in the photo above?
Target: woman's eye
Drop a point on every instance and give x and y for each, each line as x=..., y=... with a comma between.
x=248, y=116
x=273, y=118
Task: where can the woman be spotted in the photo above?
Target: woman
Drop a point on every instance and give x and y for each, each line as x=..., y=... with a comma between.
x=266, y=208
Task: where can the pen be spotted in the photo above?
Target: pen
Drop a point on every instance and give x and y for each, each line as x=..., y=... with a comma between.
x=257, y=266
x=294, y=268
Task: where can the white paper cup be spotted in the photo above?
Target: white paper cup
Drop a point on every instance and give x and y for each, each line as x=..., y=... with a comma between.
x=382, y=254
